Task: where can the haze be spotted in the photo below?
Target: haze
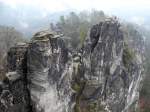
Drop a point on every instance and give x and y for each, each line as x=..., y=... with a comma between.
x=26, y=15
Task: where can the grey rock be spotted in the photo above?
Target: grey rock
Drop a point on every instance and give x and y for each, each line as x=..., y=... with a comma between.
x=103, y=76
x=14, y=95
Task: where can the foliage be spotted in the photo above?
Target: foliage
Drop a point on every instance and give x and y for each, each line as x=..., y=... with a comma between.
x=129, y=33
x=8, y=38
x=83, y=34
x=145, y=91
x=76, y=87
x=76, y=26
x=147, y=109
x=127, y=57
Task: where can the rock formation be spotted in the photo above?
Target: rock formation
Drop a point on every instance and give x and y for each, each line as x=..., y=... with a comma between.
x=47, y=61
x=103, y=76
x=14, y=95
x=113, y=70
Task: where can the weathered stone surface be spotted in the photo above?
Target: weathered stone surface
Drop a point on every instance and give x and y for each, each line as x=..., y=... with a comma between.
x=14, y=95
x=47, y=61
x=103, y=76
x=114, y=69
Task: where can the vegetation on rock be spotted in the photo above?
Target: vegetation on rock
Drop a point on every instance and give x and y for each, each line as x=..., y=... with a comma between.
x=128, y=56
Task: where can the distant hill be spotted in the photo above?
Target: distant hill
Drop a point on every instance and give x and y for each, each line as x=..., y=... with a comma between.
x=27, y=20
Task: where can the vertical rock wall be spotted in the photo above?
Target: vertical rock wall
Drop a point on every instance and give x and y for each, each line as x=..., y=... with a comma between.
x=113, y=70
x=103, y=76
x=47, y=58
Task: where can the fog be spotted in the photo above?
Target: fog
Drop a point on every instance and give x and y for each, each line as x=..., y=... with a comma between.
x=96, y=58
x=29, y=16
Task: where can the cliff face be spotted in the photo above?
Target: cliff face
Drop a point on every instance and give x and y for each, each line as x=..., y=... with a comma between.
x=47, y=64
x=14, y=95
x=114, y=69
x=103, y=76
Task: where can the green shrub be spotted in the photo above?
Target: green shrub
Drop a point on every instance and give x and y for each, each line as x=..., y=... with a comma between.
x=128, y=56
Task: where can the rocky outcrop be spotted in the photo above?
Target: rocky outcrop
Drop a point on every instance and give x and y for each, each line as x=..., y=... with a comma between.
x=14, y=95
x=103, y=76
x=113, y=70
x=47, y=63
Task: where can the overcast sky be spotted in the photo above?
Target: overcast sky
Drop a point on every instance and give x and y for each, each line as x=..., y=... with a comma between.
x=109, y=6
x=61, y=5
x=136, y=11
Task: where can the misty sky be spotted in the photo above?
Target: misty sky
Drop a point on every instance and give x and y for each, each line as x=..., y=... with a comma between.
x=136, y=11
x=61, y=5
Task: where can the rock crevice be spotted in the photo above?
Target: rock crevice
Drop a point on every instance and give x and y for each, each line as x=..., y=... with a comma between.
x=104, y=75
